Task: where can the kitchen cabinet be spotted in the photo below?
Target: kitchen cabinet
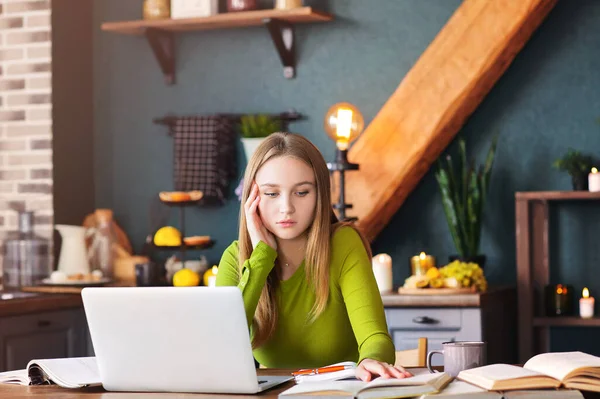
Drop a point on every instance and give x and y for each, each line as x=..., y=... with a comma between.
x=489, y=317
x=48, y=334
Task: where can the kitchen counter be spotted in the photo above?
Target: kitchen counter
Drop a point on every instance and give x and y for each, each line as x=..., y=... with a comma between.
x=446, y=301
x=19, y=303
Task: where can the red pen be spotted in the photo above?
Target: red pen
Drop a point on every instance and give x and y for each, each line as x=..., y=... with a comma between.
x=321, y=370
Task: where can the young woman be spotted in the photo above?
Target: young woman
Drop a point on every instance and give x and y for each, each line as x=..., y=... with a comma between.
x=310, y=295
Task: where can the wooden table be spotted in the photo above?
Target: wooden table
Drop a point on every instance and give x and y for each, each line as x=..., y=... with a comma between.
x=47, y=391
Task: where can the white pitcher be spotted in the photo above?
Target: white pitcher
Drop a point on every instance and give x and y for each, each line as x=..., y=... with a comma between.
x=73, y=254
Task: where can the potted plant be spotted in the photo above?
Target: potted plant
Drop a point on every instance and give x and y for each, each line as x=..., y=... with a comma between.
x=464, y=191
x=578, y=166
x=254, y=129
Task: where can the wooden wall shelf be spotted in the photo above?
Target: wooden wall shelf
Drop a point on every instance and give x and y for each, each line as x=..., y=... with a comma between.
x=557, y=195
x=533, y=269
x=566, y=321
x=279, y=23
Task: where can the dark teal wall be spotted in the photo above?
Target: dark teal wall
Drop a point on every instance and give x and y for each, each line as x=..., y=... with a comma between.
x=547, y=101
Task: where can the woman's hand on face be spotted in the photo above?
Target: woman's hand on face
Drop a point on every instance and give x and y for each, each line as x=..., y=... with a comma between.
x=370, y=368
x=256, y=228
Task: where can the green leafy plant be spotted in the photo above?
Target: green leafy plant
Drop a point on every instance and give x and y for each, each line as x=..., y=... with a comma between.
x=253, y=126
x=575, y=163
x=464, y=191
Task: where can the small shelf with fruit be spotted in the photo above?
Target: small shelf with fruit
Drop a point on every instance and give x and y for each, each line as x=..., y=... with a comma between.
x=455, y=278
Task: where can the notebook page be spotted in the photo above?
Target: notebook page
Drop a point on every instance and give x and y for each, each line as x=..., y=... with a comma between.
x=70, y=372
x=559, y=364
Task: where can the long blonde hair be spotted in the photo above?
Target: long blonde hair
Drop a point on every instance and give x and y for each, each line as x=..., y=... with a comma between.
x=319, y=233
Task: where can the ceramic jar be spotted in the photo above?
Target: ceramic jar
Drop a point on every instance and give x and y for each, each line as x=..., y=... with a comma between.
x=241, y=5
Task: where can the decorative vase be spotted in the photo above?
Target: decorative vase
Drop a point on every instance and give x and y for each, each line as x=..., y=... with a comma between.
x=241, y=5
x=250, y=145
x=580, y=182
x=157, y=9
x=479, y=259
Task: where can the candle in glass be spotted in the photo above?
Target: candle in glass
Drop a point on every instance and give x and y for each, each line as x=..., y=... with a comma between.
x=419, y=264
x=559, y=299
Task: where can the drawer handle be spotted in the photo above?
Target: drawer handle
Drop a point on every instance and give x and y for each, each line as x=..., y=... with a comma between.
x=43, y=323
x=424, y=320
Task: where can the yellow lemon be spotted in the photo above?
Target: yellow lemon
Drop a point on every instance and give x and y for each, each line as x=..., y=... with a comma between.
x=186, y=278
x=433, y=273
x=167, y=236
x=422, y=283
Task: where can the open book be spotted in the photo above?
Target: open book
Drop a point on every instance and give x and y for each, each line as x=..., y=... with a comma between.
x=460, y=389
x=576, y=370
x=75, y=372
x=422, y=382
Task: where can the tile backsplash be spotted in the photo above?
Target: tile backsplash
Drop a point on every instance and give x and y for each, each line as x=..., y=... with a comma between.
x=25, y=113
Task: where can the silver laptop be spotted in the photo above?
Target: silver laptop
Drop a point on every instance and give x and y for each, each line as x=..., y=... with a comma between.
x=173, y=339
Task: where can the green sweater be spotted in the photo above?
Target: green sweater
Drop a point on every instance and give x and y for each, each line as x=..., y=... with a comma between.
x=353, y=325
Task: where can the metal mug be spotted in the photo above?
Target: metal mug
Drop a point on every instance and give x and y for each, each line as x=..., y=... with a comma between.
x=460, y=355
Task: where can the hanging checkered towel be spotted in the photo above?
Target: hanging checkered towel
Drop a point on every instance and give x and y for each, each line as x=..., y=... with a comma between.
x=204, y=156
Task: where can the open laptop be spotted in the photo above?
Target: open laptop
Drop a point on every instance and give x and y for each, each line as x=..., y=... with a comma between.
x=173, y=339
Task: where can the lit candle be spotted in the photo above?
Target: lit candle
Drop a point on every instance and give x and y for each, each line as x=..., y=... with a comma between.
x=586, y=305
x=382, y=269
x=419, y=264
x=594, y=180
x=210, y=277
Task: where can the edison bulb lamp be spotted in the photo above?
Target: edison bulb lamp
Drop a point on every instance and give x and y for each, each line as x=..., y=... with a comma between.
x=343, y=123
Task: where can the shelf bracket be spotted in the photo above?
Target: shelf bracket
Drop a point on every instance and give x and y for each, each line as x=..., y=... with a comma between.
x=163, y=47
x=282, y=34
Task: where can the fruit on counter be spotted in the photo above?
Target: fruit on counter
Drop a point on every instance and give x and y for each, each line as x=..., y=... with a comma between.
x=186, y=278
x=467, y=274
x=432, y=273
x=180, y=196
x=196, y=240
x=456, y=274
x=167, y=236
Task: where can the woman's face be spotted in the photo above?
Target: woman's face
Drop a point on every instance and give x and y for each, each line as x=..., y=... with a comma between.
x=288, y=196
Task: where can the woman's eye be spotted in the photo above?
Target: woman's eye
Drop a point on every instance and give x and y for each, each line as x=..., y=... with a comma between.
x=302, y=193
x=272, y=195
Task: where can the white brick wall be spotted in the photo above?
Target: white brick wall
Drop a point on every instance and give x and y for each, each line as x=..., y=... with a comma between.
x=25, y=113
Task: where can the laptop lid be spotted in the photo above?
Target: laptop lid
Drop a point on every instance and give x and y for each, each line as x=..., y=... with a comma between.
x=171, y=339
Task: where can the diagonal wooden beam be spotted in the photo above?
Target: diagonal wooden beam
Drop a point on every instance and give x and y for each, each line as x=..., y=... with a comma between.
x=434, y=100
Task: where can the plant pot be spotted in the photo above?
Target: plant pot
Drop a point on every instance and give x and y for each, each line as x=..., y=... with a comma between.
x=579, y=182
x=479, y=259
x=250, y=145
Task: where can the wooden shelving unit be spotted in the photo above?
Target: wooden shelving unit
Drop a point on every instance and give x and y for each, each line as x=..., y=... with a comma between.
x=160, y=33
x=533, y=269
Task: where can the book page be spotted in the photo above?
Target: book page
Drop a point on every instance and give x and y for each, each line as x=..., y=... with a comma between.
x=560, y=364
x=544, y=394
x=68, y=372
x=461, y=389
x=505, y=376
x=18, y=377
x=420, y=377
x=349, y=387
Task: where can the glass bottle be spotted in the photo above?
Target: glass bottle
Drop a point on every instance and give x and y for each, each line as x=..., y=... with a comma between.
x=102, y=256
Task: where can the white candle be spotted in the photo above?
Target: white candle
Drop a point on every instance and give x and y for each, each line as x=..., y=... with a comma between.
x=212, y=281
x=586, y=305
x=594, y=180
x=382, y=269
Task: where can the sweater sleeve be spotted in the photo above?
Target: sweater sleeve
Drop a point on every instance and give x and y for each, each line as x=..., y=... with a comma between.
x=362, y=298
x=253, y=277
